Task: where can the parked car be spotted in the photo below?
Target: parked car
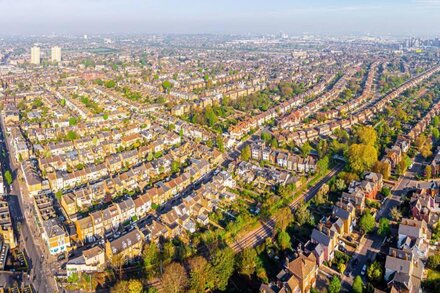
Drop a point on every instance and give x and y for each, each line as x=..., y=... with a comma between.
x=364, y=270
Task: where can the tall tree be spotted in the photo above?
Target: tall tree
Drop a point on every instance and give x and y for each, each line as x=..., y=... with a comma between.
x=428, y=172
x=283, y=240
x=302, y=215
x=130, y=286
x=395, y=214
x=222, y=263
x=358, y=285
x=384, y=227
x=375, y=272
x=8, y=177
x=200, y=273
x=284, y=218
x=246, y=153
x=335, y=285
x=219, y=143
x=361, y=157
x=366, y=135
x=305, y=149
x=246, y=261
x=367, y=222
x=174, y=278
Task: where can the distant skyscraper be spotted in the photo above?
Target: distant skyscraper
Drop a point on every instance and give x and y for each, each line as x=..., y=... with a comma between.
x=35, y=55
x=56, y=54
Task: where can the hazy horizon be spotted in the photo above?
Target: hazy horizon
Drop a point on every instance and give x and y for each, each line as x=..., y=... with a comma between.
x=406, y=17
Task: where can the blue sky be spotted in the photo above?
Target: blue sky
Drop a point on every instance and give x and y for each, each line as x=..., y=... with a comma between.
x=404, y=17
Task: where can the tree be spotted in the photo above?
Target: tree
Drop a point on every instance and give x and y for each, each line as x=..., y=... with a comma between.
x=434, y=261
x=266, y=136
x=386, y=191
x=71, y=135
x=375, y=272
x=321, y=195
x=283, y=240
x=428, y=172
x=384, y=227
x=395, y=214
x=175, y=278
x=305, y=149
x=323, y=165
x=274, y=143
x=73, y=121
x=200, y=272
x=367, y=222
x=166, y=86
x=219, y=143
x=110, y=84
x=175, y=166
x=322, y=148
x=117, y=262
x=284, y=218
x=246, y=261
x=358, y=285
x=382, y=168
x=335, y=285
x=366, y=135
x=302, y=215
x=361, y=157
x=8, y=177
x=340, y=184
x=151, y=255
x=246, y=153
x=222, y=263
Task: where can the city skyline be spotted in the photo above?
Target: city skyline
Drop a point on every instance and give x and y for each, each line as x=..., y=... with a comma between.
x=409, y=17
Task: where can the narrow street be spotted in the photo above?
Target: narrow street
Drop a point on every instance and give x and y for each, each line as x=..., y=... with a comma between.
x=20, y=208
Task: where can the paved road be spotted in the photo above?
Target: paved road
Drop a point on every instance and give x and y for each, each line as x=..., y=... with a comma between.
x=404, y=184
x=40, y=277
x=372, y=243
x=258, y=235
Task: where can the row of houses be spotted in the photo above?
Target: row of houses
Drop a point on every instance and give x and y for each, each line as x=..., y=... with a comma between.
x=357, y=102
x=404, y=264
x=301, y=136
x=294, y=118
x=245, y=126
x=183, y=217
x=300, y=274
x=394, y=154
x=283, y=159
x=358, y=191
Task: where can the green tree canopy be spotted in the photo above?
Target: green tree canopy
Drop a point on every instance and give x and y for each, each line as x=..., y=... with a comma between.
x=361, y=157
x=335, y=285
x=175, y=277
x=375, y=272
x=8, y=177
x=283, y=240
x=384, y=227
x=246, y=261
x=358, y=285
x=246, y=153
x=366, y=135
x=200, y=274
x=305, y=149
x=367, y=222
x=302, y=215
x=222, y=262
